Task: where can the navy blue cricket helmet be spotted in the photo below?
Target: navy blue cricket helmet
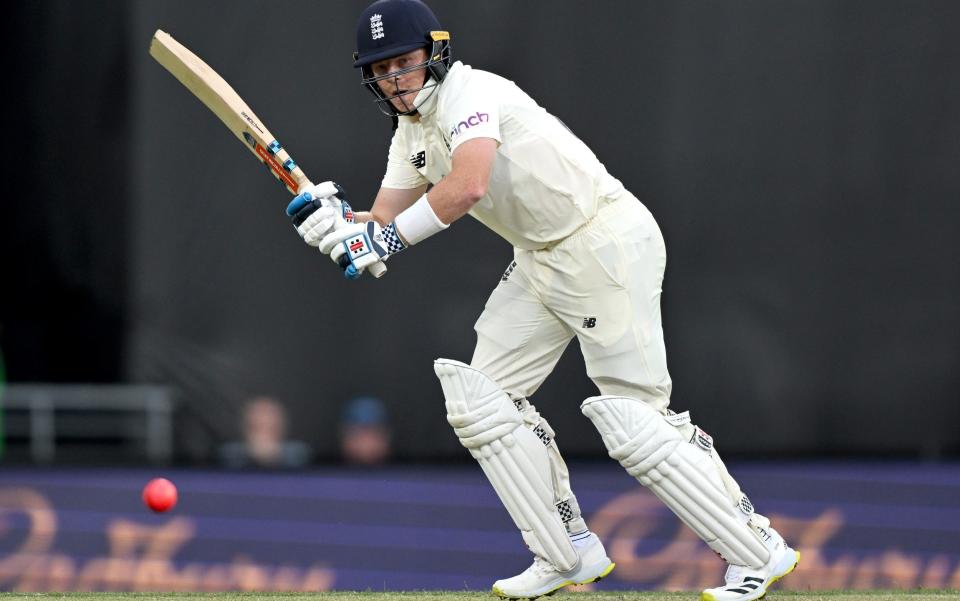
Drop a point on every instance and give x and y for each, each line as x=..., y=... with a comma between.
x=389, y=28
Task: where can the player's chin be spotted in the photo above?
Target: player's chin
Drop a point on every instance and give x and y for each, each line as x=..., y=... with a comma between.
x=404, y=102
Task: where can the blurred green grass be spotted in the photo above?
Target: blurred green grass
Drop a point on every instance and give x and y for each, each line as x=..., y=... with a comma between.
x=886, y=595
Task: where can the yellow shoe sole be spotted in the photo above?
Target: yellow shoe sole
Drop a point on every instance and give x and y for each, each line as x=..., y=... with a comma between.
x=602, y=575
x=705, y=596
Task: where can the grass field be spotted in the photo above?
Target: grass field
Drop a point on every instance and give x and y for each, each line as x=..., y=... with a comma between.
x=918, y=595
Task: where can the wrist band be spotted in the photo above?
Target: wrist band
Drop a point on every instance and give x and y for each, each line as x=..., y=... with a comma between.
x=419, y=222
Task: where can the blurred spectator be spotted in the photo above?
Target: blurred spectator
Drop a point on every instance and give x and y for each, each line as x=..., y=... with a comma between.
x=365, y=432
x=265, y=443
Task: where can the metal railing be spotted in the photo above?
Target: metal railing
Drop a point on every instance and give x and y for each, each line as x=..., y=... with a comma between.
x=42, y=402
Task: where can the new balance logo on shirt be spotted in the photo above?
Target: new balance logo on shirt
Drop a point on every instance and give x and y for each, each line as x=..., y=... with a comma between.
x=419, y=160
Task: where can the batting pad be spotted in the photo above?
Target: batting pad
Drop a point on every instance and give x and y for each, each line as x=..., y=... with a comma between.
x=680, y=474
x=513, y=458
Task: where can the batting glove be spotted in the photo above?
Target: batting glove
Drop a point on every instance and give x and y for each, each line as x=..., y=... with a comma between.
x=355, y=248
x=319, y=210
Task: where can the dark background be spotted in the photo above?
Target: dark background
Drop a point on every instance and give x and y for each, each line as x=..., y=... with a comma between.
x=801, y=158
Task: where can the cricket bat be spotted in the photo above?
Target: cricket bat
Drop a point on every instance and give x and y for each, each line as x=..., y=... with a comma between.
x=219, y=97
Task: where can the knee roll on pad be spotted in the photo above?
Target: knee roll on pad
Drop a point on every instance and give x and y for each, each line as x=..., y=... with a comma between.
x=680, y=474
x=513, y=458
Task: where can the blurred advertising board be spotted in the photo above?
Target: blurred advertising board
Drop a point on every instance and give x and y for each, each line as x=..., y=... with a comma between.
x=856, y=525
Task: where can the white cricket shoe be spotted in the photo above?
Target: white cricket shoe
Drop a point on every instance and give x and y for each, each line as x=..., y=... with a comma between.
x=542, y=578
x=746, y=584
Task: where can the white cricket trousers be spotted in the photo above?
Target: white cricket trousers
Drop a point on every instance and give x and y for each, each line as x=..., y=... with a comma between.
x=601, y=284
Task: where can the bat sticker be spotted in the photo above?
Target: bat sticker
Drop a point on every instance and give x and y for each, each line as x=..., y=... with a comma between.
x=275, y=167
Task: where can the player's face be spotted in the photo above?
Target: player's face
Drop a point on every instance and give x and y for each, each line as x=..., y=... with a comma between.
x=405, y=85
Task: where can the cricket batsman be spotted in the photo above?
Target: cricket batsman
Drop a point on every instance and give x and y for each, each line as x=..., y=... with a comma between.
x=588, y=263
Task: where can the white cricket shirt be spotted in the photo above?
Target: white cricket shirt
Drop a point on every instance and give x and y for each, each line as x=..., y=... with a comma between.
x=545, y=182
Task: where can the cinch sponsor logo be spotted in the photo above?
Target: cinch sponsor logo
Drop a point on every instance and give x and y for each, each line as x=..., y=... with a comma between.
x=472, y=120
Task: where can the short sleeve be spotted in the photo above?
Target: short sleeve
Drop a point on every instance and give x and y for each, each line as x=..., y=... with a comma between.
x=472, y=112
x=401, y=173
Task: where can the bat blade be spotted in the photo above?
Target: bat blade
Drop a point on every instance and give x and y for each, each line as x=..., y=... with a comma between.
x=214, y=92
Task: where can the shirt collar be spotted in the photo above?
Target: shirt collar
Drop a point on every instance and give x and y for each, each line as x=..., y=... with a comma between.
x=429, y=105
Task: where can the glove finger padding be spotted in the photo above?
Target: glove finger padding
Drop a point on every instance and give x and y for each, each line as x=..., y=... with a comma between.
x=301, y=207
x=327, y=194
x=320, y=223
x=325, y=189
x=335, y=238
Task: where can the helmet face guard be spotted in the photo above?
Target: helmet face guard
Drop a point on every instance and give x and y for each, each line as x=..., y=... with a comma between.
x=434, y=70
